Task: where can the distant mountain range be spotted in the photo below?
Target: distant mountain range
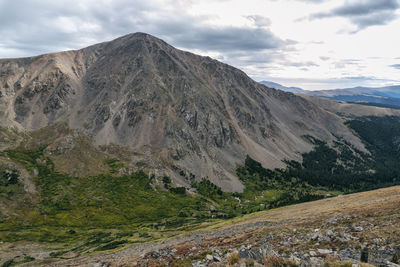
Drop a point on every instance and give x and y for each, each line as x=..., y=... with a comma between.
x=388, y=96
x=295, y=90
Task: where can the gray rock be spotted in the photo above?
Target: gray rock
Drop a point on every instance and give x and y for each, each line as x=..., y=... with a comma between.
x=101, y=264
x=249, y=254
x=312, y=253
x=333, y=220
x=216, y=258
x=391, y=264
x=357, y=229
x=209, y=257
x=381, y=256
x=315, y=236
x=198, y=264
x=314, y=261
x=348, y=254
x=324, y=251
x=296, y=259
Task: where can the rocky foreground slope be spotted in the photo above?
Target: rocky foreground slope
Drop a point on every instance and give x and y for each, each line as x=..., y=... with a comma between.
x=174, y=111
x=352, y=230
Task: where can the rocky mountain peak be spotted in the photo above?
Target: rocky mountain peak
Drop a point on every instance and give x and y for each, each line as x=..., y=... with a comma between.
x=181, y=114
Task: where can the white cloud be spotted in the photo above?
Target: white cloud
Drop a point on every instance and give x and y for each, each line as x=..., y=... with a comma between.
x=259, y=21
x=262, y=37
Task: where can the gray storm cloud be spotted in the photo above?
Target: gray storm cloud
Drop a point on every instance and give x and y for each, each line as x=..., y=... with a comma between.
x=396, y=66
x=33, y=27
x=363, y=13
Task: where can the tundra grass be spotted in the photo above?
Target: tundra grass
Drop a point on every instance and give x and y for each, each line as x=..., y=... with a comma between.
x=109, y=210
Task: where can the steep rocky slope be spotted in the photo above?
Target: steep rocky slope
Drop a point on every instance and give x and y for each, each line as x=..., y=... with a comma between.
x=177, y=112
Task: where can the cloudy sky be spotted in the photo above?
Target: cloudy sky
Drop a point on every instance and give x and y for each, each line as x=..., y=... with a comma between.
x=313, y=44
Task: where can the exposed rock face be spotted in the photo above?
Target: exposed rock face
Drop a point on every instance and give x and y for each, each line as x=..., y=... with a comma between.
x=181, y=111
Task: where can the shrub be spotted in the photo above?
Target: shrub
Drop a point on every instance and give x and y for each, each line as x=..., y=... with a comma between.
x=8, y=177
x=340, y=264
x=275, y=261
x=207, y=188
x=166, y=180
x=178, y=190
x=233, y=258
x=111, y=245
x=8, y=263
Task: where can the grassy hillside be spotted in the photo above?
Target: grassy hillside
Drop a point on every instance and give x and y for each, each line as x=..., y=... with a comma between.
x=104, y=200
x=320, y=232
x=114, y=208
